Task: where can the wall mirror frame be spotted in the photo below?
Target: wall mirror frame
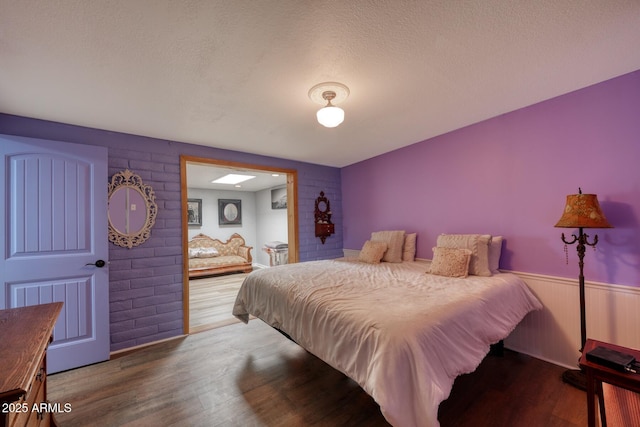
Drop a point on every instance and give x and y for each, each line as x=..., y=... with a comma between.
x=132, y=209
x=229, y=212
x=322, y=215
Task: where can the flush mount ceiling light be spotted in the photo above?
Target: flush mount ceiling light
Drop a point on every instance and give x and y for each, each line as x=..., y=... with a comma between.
x=325, y=93
x=232, y=178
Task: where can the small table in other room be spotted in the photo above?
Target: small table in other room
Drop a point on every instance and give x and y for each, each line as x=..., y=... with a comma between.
x=597, y=374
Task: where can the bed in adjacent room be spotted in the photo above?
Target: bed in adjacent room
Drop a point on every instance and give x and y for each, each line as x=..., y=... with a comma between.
x=402, y=329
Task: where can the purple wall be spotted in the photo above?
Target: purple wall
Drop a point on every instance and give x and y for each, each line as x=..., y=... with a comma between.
x=510, y=176
x=145, y=283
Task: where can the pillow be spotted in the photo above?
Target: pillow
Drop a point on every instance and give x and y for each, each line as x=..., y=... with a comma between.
x=203, y=252
x=208, y=253
x=478, y=244
x=409, y=247
x=394, y=241
x=450, y=262
x=372, y=252
x=495, y=249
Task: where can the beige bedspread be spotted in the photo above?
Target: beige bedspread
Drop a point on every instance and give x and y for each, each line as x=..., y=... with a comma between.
x=402, y=334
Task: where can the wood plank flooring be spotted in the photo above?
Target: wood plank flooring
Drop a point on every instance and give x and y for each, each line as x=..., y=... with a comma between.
x=250, y=375
x=211, y=301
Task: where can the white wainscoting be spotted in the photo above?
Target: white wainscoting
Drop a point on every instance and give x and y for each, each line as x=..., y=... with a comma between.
x=553, y=333
x=351, y=252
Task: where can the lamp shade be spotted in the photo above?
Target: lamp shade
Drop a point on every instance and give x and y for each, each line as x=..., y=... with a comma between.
x=583, y=211
x=330, y=116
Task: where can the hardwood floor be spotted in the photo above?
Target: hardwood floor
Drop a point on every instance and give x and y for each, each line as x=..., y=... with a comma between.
x=211, y=301
x=250, y=375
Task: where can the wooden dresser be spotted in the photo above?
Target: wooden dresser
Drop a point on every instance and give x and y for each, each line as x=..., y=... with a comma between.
x=25, y=334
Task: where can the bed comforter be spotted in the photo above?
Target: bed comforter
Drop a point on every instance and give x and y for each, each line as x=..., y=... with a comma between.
x=403, y=335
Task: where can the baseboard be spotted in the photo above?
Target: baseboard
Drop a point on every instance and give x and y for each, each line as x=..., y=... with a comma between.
x=120, y=353
x=351, y=253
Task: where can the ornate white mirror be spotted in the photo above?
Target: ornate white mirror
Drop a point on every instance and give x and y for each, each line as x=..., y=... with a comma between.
x=132, y=209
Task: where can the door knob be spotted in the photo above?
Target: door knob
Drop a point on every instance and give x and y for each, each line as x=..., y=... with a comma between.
x=99, y=263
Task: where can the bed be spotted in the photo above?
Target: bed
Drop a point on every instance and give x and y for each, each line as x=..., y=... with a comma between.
x=401, y=333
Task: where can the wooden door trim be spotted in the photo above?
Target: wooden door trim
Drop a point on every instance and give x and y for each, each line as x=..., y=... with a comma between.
x=292, y=215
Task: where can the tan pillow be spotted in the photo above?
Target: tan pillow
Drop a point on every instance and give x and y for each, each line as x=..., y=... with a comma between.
x=409, y=248
x=394, y=241
x=450, y=262
x=478, y=244
x=372, y=252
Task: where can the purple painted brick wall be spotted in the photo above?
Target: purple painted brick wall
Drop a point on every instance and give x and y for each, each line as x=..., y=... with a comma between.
x=310, y=245
x=145, y=283
x=510, y=176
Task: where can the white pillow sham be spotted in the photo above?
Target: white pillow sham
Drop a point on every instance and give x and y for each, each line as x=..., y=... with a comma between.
x=478, y=244
x=394, y=240
x=409, y=247
x=495, y=250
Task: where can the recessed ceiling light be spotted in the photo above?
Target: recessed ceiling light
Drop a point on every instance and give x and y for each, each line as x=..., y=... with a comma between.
x=275, y=174
x=232, y=179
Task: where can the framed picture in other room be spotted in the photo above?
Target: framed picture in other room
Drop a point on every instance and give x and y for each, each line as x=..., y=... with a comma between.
x=194, y=211
x=229, y=212
x=279, y=198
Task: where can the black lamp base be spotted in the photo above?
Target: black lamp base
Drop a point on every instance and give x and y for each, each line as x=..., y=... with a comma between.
x=576, y=378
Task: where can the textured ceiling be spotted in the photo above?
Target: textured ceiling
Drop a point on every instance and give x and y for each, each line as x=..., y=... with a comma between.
x=235, y=74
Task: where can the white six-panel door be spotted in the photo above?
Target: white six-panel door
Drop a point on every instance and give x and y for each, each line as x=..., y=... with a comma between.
x=53, y=212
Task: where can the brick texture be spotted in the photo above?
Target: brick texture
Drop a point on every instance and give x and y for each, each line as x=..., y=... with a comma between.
x=145, y=282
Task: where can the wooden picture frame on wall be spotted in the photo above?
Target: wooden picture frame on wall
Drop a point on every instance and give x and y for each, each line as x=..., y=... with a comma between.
x=229, y=212
x=194, y=212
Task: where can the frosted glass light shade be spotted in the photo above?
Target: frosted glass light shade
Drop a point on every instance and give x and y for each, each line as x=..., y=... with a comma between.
x=330, y=116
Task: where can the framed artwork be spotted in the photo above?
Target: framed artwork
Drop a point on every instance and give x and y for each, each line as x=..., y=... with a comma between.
x=229, y=212
x=194, y=211
x=279, y=198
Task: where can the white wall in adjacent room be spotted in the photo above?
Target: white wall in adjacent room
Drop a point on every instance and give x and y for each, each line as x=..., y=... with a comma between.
x=260, y=222
x=272, y=225
x=210, y=225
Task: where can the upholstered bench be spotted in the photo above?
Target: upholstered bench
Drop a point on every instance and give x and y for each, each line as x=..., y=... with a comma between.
x=209, y=256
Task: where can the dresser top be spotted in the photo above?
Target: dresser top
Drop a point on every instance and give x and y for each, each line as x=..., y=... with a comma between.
x=24, y=335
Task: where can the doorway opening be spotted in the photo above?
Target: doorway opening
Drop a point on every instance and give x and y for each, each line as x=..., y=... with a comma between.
x=203, y=308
